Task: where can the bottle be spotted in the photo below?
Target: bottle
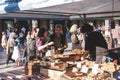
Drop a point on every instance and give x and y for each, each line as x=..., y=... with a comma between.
x=52, y=50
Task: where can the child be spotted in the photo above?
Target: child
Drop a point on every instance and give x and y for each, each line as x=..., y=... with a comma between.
x=16, y=54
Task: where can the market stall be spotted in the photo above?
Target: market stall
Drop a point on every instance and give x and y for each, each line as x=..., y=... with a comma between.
x=73, y=65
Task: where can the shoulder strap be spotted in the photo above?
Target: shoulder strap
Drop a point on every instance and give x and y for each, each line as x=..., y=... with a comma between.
x=76, y=37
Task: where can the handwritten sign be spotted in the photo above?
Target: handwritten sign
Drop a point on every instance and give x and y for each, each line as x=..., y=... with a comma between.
x=84, y=69
x=95, y=69
x=74, y=69
x=78, y=64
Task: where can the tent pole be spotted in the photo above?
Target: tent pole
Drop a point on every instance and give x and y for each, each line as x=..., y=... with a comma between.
x=85, y=20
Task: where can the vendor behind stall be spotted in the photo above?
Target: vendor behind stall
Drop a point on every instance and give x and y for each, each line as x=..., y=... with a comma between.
x=59, y=39
x=94, y=43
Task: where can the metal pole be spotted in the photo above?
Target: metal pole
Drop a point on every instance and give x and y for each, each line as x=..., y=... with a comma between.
x=85, y=20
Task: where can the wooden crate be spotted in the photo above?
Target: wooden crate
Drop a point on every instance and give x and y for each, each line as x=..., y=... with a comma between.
x=32, y=68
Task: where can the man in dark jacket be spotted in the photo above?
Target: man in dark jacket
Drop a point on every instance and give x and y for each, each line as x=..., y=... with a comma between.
x=95, y=43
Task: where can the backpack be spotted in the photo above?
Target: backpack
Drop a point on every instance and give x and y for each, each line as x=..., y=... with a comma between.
x=74, y=39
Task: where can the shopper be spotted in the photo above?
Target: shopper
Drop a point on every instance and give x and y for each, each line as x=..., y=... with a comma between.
x=21, y=36
x=26, y=49
x=16, y=54
x=94, y=43
x=59, y=39
x=74, y=37
x=8, y=33
x=115, y=36
x=4, y=40
x=108, y=37
x=10, y=47
x=41, y=40
x=31, y=49
x=81, y=38
x=36, y=31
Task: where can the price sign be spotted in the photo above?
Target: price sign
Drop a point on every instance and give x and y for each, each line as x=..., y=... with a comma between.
x=48, y=53
x=95, y=69
x=78, y=64
x=84, y=69
x=74, y=69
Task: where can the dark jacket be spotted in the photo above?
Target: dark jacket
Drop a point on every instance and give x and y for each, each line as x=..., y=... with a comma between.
x=94, y=39
x=62, y=41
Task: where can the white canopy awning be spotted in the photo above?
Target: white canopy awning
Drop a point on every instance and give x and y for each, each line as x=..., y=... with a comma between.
x=20, y=5
x=64, y=9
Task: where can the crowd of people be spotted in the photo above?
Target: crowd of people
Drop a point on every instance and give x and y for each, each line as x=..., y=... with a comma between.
x=39, y=41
